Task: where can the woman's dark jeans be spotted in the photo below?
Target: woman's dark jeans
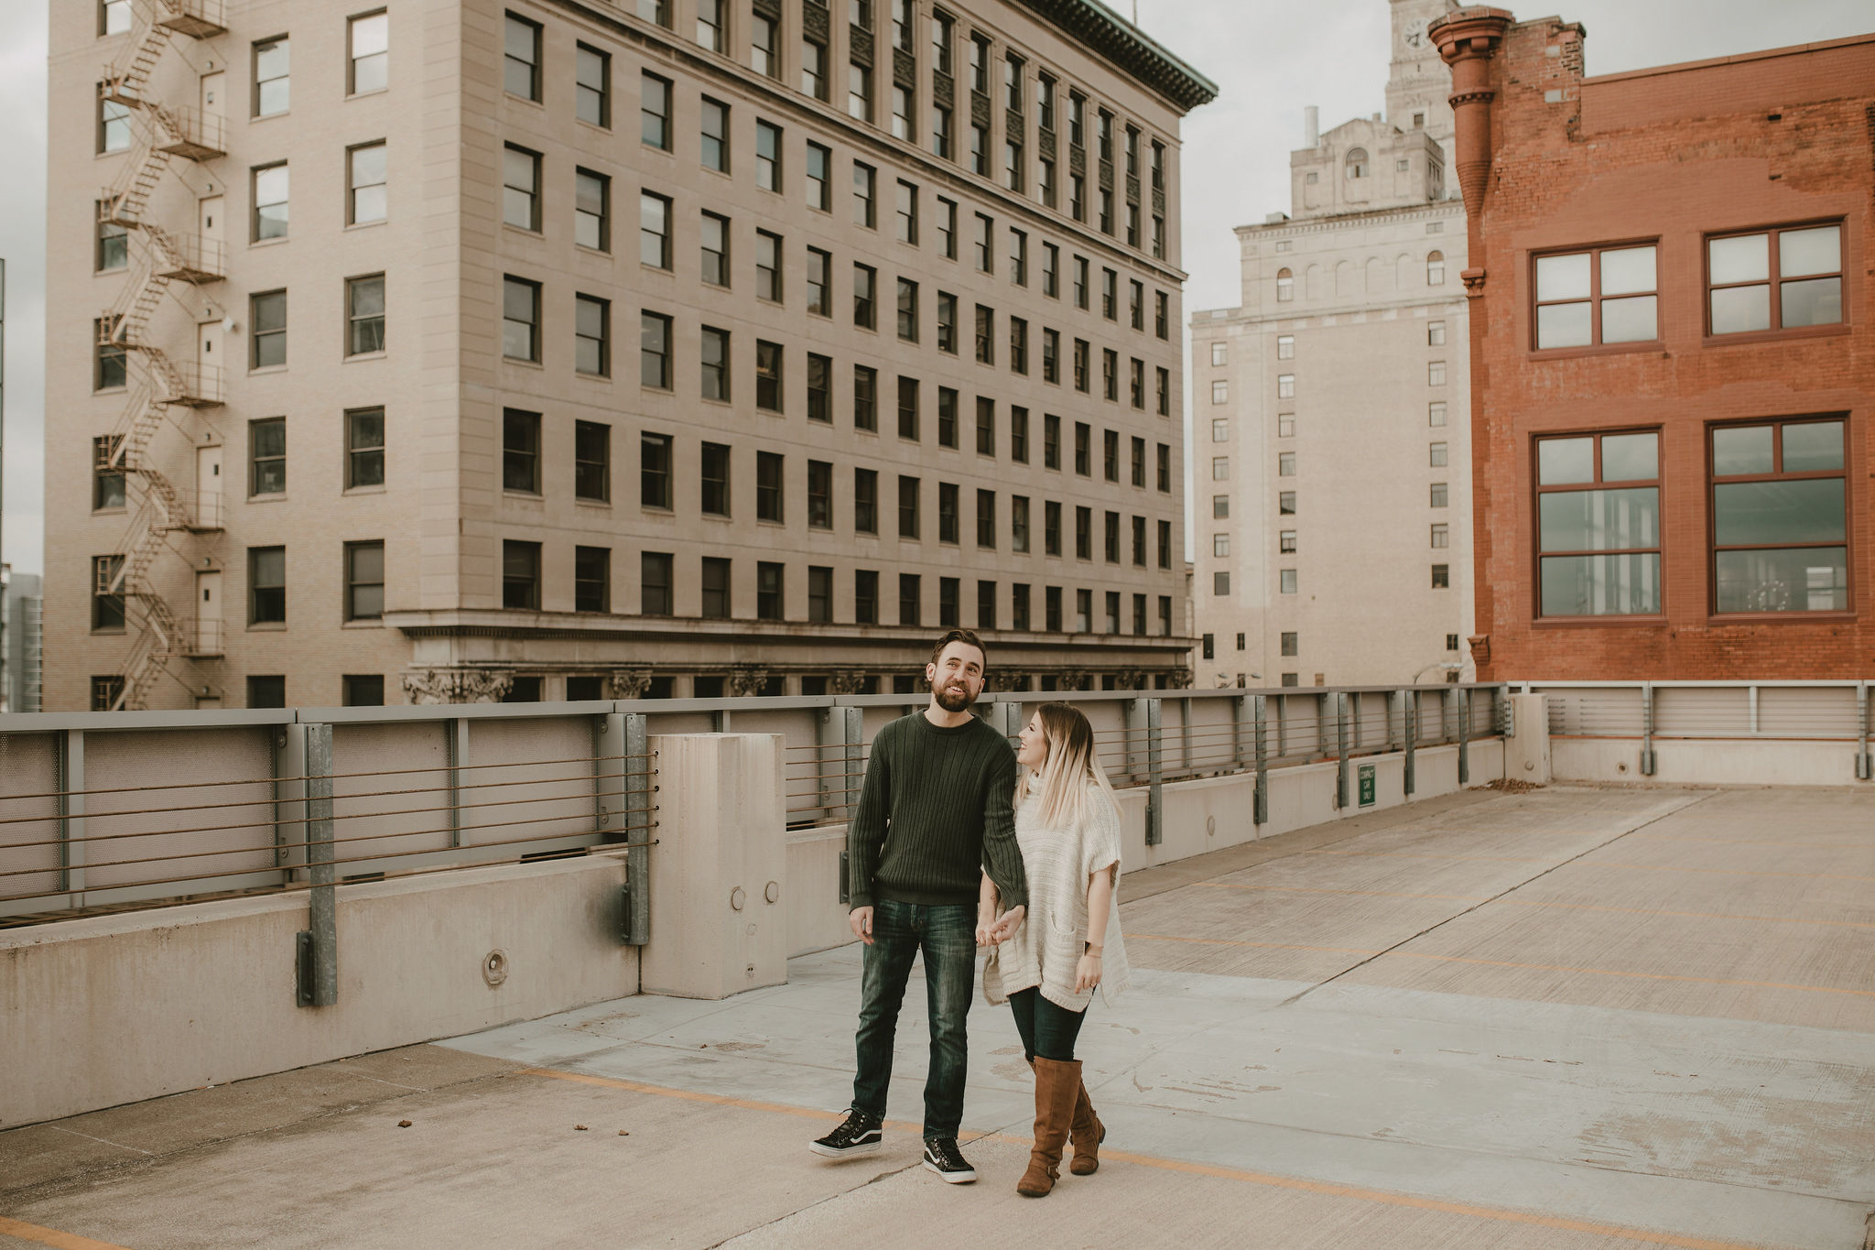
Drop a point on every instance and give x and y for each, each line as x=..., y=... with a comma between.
x=946, y=935
x=1048, y=1029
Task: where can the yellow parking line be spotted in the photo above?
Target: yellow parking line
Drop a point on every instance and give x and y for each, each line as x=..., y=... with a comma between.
x=1327, y=1189
x=1647, y=976
x=1690, y=915
x=1299, y=889
x=1491, y=859
x=1271, y=946
x=52, y=1236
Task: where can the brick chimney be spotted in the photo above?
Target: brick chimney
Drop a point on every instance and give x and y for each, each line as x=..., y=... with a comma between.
x=1467, y=39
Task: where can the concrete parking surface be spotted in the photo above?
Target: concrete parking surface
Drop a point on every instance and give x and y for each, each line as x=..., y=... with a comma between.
x=1573, y=1017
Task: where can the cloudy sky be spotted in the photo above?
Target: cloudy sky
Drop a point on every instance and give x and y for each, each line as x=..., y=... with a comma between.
x=1270, y=57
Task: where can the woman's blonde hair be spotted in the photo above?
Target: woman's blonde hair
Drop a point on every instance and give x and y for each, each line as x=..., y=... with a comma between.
x=1061, y=785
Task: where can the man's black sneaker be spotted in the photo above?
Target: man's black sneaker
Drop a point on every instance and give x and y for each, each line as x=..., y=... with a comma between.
x=942, y=1156
x=858, y=1134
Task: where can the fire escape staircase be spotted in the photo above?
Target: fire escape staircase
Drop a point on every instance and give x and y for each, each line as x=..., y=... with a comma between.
x=162, y=384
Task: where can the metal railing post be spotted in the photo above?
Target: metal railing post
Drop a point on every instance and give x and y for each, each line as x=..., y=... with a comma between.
x=1136, y=738
x=1239, y=704
x=318, y=945
x=1321, y=723
x=1341, y=750
x=72, y=844
x=1464, y=736
x=1260, y=812
x=1409, y=733
x=1864, y=762
x=624, y=802
x=849, y=723
x=456, y=743
x=1155, y=753
x=1647, y=729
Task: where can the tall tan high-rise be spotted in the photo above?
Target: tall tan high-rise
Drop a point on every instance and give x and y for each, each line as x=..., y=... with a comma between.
x=1330, y=410
x=342, y=309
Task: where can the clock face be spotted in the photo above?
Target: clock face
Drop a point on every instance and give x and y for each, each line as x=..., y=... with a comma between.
x=1415, y=33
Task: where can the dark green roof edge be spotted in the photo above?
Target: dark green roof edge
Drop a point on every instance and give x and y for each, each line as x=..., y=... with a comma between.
x=1147, y=60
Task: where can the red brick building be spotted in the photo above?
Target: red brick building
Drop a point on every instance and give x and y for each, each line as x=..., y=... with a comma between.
x=1672, y=354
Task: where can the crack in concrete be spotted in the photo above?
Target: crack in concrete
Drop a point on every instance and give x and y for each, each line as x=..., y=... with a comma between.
x=1676, y=810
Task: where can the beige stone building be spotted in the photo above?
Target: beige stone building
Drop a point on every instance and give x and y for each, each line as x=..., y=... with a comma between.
x=1330, y=411
x=343, y=310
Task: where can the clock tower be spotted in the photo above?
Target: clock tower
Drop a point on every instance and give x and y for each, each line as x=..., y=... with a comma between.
x=1419, y=82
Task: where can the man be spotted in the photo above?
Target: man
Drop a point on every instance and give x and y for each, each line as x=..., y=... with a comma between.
x=933, y=817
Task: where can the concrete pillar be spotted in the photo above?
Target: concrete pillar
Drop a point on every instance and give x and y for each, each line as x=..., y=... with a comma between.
x=1526, y=752
x=718, y=919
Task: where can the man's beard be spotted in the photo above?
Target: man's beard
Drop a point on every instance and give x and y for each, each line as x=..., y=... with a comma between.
x=953, y=700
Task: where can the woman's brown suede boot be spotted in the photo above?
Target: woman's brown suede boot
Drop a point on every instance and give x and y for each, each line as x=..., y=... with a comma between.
x=1056, y=1084
x=1087, y=1132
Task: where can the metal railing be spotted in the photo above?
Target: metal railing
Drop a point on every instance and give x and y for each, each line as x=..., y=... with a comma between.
x=106, y=811
x=1648, y=711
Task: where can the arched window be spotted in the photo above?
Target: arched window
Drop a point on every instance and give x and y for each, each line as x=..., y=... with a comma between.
x=1285, y=286
x=1435, y=269
x=1357, y=163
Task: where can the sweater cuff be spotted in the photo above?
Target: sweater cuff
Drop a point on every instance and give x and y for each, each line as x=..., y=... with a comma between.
x=858, y=900
x=1013, y=901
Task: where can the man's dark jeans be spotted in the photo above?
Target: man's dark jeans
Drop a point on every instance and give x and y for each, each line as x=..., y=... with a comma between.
x=946, y=935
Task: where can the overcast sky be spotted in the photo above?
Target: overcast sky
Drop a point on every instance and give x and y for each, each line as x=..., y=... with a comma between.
x=1269, y=57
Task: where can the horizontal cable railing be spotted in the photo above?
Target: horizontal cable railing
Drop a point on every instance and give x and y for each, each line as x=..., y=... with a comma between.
x=102, y=812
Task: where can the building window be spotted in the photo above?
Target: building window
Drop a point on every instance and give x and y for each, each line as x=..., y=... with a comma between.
x=859, y=91
x=908, y=310
x=941, y=130
x=1109, y=295
x=113, y=17
x=592, y=461
x=1435, y=373
x=1441, y=577
x=270, y=195
x=654, y=471
x=520, y=451
x=865, y=597
x=520, y=194
x=865, y=297
x=592, y=86
x=266, y=457
x=654, y=230
x=819, y=281
x=1598, y=524
x=1286, y=385
x=819, y=177
x=986, y=335
x=819, y=598
x=1441, y=536
x=654, y=111
x=1603, y=295
x=1220, y=392
x=1286, y=503
x=1779, y=516
x=866, y=397
x=765, y=46
x=947, y=512
x=819, y=495
x=654, y=351
x=1286, y=541
x=107, y=604
x=715, y=245
x=1110, y=373
x=711, y=25
x=819, y=388
x=1439, y=495
x=370, y=53
x=266, y=585
x=768, y=266
x=714, y=479
x=769, y=467
x=1110, y=455
x=713, y=363
x=261, y=691
x=272, y=81
x=657, y=590
x=947, y=322
x=520, y=327
x=1435, y=413
x=1051, y=356
x=908, y=507
x=1081, y=283
x=364, y=315
x=1285, y=464
x=1018, y=345
x=770, y=598
x=985, y=244
x=1220, y=507
x=865, y=501
x=1285, y=349
x=520, y=67
x=1165, y=469
x=1435, y=269
x=107, y=475
x=110, y=362
x=986, y=519
x=768, y=376
x=592, y=579
x=113, y=245
x=986, y=426
x=715, y=136
x=715, y=585
x=907, y=213
x=865, y=183
x=1019, y=434
x=903, y=111
x=1286, y=425
x=1435, y=334
x=1051, y=528
x=946, y=414
x=267, y=320
x=1435, y=454
x=1286, y=581
x=364, y=581
x=1220, y=545
x=1084, y=533
x=592, y=194
x=365, y=196
x=1775, y=279
x=364, y=448
x=814, y=69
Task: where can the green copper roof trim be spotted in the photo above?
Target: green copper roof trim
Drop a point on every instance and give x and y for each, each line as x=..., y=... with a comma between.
x=1129, y=47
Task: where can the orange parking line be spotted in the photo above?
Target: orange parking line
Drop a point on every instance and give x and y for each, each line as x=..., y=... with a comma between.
x=1727, y=872
x=1691, y=915
x=1298, y=889
x=1769, y=846
x=1378, y=1196
x=1493, y=859
x=1648, y=976
x=52, y=1236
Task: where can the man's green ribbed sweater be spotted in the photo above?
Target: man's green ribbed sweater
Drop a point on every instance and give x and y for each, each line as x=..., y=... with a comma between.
x=934, y=815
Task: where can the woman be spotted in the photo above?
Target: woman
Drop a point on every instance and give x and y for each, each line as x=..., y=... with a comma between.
x=1068, y=827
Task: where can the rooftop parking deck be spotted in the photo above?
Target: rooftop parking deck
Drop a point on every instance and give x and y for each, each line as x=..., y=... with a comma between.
x=1569, y=1017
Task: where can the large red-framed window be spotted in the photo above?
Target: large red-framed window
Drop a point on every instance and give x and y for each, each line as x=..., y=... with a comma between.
x=1778, y=279
x=1598, y=524
x=1597, y=295
x=1780, y=516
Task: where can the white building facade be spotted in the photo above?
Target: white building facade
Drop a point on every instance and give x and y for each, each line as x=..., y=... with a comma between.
x=1330, y=434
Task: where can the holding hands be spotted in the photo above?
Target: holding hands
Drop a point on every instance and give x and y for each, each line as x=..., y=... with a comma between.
x=993, y=930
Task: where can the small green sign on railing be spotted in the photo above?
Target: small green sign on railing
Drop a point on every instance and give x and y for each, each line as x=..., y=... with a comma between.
x=1367, y=785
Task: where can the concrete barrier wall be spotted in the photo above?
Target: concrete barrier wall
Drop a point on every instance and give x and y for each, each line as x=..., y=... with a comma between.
x=113, y=1009
x=1706, y=761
